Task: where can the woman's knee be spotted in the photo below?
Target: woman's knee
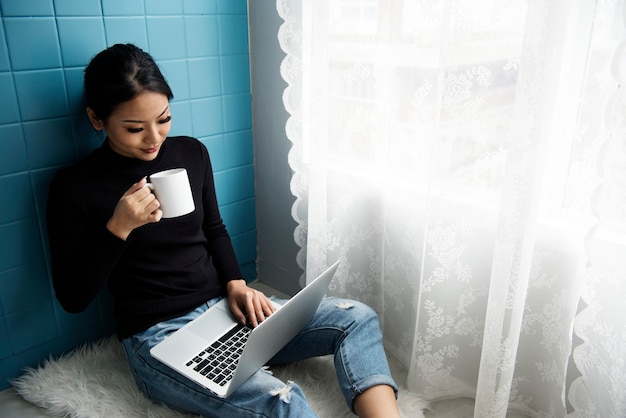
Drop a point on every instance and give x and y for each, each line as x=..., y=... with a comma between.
x=291, y=402
x=360, y=312
x=278, y=399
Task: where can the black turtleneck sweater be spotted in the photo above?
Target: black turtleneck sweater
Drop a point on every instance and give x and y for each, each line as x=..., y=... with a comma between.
x=163, y=269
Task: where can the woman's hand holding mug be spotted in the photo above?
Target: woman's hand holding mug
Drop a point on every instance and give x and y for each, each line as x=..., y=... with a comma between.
x=138, y=206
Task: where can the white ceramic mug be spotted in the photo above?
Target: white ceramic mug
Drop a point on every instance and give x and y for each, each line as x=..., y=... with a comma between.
x=172, y=190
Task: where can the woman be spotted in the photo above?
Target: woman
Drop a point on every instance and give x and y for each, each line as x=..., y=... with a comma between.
x=106, y=228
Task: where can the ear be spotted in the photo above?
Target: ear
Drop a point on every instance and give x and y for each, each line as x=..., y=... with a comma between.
x=97, y=124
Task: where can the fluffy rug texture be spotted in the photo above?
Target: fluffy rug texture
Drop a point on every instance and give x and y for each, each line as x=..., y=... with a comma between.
x=94, y=380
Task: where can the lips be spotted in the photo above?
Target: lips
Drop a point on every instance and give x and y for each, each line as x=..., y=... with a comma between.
x=150, y=150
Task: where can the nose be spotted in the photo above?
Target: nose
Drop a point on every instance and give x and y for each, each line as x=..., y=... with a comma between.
x=152, y=135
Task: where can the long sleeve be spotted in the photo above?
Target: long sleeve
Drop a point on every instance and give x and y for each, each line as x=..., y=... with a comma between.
x=83, y=251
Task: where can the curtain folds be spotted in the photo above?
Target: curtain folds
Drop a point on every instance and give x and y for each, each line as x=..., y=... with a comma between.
x=601, y=388
x=465, y=161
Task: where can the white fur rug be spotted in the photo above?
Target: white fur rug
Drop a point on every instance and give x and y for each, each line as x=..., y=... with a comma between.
x=95, y=381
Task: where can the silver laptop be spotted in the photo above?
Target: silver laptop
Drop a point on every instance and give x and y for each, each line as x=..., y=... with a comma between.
x=217, y=352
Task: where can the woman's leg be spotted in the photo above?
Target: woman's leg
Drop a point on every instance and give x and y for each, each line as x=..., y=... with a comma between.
x=260, y=396
x=377, y=402
x=351, y=332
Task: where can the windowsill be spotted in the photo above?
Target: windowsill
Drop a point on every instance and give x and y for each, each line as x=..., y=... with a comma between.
x=566, y=229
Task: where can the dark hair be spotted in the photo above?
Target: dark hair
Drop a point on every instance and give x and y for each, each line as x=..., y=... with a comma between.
x=118, y=74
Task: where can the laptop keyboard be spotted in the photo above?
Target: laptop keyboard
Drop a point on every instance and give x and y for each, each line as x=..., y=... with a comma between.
x=218, y=361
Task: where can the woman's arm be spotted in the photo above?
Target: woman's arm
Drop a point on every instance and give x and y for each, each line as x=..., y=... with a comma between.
x=86, y=247
x=246, y=303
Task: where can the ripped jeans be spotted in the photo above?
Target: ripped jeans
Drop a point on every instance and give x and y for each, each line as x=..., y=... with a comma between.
x=347, y=329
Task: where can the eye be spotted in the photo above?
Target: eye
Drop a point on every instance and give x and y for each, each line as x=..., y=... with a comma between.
x=166, y=120
x=134, y=130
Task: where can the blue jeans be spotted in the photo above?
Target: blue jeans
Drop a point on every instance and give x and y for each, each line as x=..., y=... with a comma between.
x=345, y=328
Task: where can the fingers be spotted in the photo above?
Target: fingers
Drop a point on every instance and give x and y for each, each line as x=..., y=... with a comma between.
x=258, y=308
x=137, y=207
x=147, y=205
x=252, y=311
x=147, y=201
x=137, y=186
x=237, y=313
x=250, y=306
x=156, y=215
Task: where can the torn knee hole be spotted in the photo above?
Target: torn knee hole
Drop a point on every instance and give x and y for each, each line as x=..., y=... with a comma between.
x=345, y=305
x=284, y=393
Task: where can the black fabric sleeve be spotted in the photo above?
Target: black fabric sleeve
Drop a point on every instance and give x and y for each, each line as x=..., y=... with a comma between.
x=83, y=251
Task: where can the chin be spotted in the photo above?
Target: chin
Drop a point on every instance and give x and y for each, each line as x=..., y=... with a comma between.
x=147, y=157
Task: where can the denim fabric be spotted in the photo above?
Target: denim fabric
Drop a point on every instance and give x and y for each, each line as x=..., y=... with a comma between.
x=345, y=328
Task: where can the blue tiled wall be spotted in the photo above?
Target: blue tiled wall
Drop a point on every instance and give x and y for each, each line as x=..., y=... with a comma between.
x=202, y=48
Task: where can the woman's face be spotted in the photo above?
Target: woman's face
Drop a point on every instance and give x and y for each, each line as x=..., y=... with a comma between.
x=137, y=128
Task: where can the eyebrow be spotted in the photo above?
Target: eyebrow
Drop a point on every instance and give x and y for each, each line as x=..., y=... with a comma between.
x=141, y=121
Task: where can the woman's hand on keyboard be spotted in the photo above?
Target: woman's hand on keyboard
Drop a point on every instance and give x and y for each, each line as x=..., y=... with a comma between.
x=248, y=305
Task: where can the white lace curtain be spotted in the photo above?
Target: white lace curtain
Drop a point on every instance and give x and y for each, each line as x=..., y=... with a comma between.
x=467, y=159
